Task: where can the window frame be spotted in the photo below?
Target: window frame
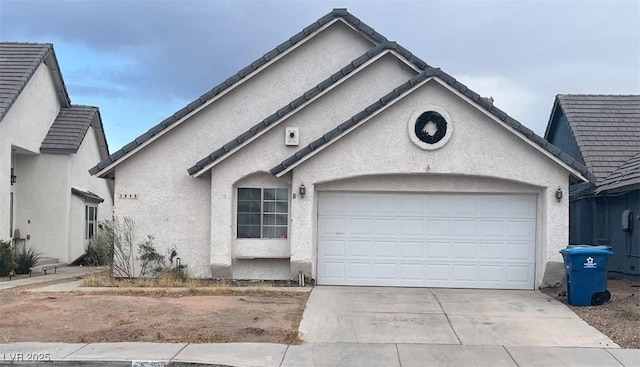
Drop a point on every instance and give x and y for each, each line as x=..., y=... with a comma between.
x=89, y=222
x=277, y=198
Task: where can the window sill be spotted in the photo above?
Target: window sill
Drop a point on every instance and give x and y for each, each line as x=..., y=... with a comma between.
x=261, y=248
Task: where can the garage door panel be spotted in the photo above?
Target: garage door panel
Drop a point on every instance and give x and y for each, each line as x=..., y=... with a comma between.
x=438, y=250
x=386, y=226
x=385, y=249
x=464, y=228
x=464, y=251
x=492, y=251
x=412, y=227
x=438, y=272
x=438, y=228
x=359, y=226
x=429, y=240
x=359, y=249
x=358, y=270
x=333, y=248
x=385, y=271
x=332, y=226
x=414, y=250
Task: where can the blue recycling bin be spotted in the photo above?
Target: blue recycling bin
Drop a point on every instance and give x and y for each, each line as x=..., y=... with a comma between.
x=586, y=268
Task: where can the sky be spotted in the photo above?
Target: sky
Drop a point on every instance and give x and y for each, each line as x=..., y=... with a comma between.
x=140, y=61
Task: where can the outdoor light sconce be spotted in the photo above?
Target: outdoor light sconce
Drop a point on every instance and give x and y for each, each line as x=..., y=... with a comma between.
x=302, y=191
x=559, y=194
x=13, y=177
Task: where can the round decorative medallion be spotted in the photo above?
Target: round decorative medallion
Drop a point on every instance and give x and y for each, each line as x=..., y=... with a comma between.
x=430, y=128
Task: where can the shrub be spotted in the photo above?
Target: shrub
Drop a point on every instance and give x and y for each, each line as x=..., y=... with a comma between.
x=27, y=259
x=7, y=264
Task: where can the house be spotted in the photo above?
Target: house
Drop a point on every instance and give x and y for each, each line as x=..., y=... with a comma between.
x=47, y=197
x=343, y=157
x=603, y=133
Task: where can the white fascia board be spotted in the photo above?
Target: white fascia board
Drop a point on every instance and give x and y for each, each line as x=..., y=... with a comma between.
x=321, y=148
x=103, y=172
x=300, y=108
x=512, y=130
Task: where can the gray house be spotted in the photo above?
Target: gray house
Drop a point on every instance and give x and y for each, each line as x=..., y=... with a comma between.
x=603, y=133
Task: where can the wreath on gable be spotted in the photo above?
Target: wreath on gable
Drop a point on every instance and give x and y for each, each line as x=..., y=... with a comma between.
x=431, y=127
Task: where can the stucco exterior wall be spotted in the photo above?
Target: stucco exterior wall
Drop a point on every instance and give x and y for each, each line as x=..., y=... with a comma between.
x=478, y=147
x=42, y=197
x=176, y=208
x=24, y=126
x=347, y=99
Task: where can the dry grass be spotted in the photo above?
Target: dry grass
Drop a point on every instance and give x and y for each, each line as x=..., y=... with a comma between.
x=165, y=281
x=4, y=339
x=182, y=292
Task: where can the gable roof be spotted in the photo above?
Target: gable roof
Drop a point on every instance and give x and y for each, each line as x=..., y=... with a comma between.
x=627, y=175
x=275, y=118
x=18, y=63
x=177, y=117
x=387, y=100
x=606, y=128
x=69, y=129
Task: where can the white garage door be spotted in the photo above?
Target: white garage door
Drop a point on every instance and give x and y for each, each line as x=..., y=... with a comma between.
x=427, y=240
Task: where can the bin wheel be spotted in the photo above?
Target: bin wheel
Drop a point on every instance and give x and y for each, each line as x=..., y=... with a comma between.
x=598, y=298
x=607, y=296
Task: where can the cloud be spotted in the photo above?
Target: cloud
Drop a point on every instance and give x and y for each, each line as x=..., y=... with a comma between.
x=519, y=102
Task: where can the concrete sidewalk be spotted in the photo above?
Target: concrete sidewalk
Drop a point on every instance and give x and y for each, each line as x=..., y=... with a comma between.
x=313, y=355
x=67, y=272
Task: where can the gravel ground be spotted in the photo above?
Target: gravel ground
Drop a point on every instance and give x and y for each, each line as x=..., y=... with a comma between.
x=619, y=318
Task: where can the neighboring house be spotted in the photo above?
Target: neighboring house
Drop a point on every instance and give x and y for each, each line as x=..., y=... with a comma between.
x=341, y=156
x=603, y=133
x=47, y=198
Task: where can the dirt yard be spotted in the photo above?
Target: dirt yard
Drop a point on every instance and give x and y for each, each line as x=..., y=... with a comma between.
x=197, y=318
x=619, y=318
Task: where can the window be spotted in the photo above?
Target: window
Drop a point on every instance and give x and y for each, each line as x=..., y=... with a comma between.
x=91, y=220
x=263, y=213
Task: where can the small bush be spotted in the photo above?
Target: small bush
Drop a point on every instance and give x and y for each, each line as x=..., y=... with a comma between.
x=7, y=264
x=100, y=249
x=27, y=259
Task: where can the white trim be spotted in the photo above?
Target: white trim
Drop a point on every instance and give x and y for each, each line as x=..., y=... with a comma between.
x=300, y=108
x=101, y=173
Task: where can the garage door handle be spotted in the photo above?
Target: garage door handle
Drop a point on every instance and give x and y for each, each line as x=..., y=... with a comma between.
x=339, y=232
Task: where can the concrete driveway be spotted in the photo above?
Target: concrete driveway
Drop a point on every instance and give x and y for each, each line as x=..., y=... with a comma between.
x=443, y=316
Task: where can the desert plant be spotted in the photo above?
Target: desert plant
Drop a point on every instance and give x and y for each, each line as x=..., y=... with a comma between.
x=151, y=262
x=7, y=264
x=27, y=259
x=100, y=248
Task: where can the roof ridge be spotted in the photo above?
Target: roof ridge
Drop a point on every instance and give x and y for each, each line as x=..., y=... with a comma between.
x=235, y=78
x=484, y=103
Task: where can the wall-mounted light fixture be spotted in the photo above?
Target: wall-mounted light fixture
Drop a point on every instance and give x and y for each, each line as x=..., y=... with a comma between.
x=559, y=194
x=302, y=191
x=13, y=177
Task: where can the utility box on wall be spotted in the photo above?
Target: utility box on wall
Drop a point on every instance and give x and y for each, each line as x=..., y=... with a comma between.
x=291, y=136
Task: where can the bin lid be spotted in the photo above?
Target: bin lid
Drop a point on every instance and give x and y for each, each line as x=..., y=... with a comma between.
x=587, y=249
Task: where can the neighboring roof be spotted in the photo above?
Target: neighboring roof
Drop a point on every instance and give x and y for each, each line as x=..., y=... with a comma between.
x=87, y=196
x=626, y=176
x=18, y=63
x=69, y=129
x=273, y=119
x=388, y=99
x=234, y=79
x=605, y=127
